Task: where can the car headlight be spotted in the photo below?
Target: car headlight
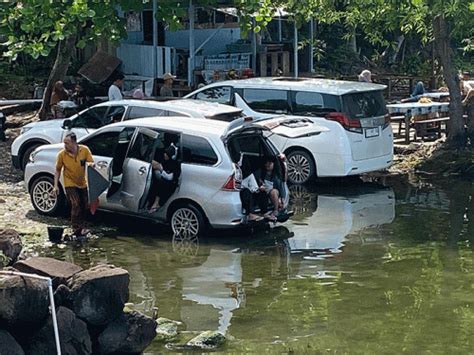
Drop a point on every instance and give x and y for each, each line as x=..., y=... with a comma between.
x=25, y=129
x=32, y=156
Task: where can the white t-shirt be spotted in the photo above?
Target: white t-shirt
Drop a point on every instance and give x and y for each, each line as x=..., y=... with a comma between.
x=115, y=93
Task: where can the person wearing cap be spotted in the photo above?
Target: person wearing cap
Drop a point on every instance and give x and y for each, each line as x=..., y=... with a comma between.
x=165, y=178
x=167, y=88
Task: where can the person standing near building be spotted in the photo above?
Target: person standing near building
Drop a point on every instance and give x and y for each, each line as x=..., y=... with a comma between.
x=167, y=88
x=71, y=161
x=115, y=90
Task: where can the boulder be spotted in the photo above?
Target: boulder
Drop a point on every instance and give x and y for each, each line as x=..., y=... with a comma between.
x=23, y=300
x=166, y=331
x=59, y=271
x=73, y=335
x=130, y=333
x=10, y=244
x=98, y=294
x=8, y=344
x=207, y=340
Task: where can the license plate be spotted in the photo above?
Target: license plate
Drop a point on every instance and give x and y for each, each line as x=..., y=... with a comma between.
x=371, y=132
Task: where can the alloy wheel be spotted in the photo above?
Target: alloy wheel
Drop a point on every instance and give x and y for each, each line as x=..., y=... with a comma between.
x=185, y=221
x=44, y=197
x=299, y=168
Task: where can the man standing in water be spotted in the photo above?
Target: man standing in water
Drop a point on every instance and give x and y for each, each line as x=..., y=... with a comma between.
x=72, y=162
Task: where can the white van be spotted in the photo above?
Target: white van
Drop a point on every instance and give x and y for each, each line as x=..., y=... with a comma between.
x=358, y=137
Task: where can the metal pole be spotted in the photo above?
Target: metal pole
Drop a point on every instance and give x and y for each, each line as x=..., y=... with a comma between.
x=295, y=50
x=51, y=300
x=191, y=44
x=254, y=49
x=155, y=39
x=311, y=47
x=279, y=27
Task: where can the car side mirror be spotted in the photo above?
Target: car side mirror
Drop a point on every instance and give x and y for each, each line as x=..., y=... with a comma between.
x=67, y=124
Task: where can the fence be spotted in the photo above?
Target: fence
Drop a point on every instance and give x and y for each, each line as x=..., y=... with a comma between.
x=138, y=59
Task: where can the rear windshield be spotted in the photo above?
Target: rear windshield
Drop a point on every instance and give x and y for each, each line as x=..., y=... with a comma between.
x=309, y=103
x=364, y=104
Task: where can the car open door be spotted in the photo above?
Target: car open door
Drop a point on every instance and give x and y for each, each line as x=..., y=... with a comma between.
x=137, y=171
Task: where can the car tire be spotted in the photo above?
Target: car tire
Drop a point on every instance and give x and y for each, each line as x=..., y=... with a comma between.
x=42, y=198
x=26, y=155
x=301, y=167
x=187, y=219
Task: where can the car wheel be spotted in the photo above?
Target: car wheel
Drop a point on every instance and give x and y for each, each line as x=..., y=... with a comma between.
x=187, y=220
x=26, y=155
x=301, y=167
x=43, y=199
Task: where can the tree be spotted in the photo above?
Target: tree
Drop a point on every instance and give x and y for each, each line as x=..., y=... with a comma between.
x=40, y=27
x=434, y=21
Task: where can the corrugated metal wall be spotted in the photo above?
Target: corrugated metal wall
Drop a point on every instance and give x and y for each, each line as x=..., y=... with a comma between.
x=137, y=59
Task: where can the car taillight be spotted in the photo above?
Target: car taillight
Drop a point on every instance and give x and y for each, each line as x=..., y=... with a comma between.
x=344, y=121
x=234, y=181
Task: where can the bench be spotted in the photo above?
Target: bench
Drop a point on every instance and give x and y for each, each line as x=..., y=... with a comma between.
x=429, y=127
x=400, y=120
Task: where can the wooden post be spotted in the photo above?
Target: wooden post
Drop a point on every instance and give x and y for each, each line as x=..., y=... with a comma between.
x=274, y=60
x=263, y=64
x=286, y=62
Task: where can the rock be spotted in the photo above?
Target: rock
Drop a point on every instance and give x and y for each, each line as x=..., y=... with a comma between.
x=166, y=331
x=130, y=333
x=10, y=244
x=73, y=335
x=8, y=344
x=23, y=300
x=207, y=340
x=59, y=271
x=163, y=320
x=61, y=296
x=99, y=294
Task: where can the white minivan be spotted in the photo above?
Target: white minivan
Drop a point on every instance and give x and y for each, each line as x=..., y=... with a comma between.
x=357, y=136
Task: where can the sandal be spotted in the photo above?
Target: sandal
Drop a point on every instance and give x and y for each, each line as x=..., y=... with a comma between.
x=153, y=210
x=254, y=218
x=272, y=216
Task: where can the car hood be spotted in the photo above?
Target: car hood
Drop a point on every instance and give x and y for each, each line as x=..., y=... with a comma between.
x=45, y=124
x=52, y=147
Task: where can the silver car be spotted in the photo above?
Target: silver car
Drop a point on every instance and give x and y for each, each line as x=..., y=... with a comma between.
x=208, y=151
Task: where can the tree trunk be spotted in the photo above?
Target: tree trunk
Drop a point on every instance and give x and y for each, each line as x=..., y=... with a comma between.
x=456, y=133
x=60, y=67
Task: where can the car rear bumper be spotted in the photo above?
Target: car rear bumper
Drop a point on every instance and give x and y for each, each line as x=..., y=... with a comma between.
x=369, y=165
x=16, y=162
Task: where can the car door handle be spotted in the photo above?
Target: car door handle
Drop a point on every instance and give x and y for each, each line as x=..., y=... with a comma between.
x=142, y=170
x=102, y=164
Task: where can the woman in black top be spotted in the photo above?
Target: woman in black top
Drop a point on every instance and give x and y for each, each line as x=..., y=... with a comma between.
x=165, y=179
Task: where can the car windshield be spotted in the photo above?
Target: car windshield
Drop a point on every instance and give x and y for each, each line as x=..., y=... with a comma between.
x=364, y=104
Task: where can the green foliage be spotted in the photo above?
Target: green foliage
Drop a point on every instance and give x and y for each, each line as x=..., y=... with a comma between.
x=4, y=260
x=35, y=27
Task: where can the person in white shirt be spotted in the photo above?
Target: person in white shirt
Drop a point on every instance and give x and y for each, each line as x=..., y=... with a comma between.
x=115, y=92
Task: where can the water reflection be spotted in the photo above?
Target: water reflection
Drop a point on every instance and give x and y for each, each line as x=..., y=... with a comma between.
x=322, y=221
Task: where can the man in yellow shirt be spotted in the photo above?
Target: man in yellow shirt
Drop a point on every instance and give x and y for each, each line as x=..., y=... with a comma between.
x=72, y=162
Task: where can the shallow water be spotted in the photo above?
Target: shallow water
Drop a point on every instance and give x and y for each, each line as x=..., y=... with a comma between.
x=359, y=268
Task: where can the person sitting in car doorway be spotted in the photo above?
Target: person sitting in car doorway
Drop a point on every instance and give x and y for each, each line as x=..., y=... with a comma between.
x=165, y=178
x=270, y=187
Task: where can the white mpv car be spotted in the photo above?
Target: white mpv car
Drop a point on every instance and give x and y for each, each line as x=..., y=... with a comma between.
x=357, y=137
x=208, y=192
x=53, y=131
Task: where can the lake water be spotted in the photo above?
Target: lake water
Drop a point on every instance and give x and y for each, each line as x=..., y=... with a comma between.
x=360, y=268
